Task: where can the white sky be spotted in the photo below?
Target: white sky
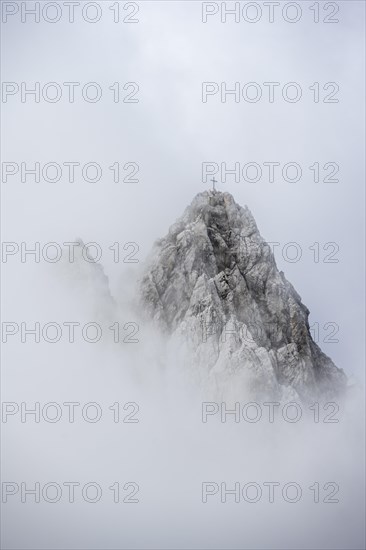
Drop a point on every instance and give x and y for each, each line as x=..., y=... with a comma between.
x=169, y=133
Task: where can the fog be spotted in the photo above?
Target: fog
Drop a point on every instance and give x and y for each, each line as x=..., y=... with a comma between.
x=170, y=452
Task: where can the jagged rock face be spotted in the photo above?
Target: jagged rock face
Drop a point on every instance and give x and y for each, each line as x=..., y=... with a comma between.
x=214, y=282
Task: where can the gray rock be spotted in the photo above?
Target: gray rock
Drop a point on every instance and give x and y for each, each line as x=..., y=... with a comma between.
x=213, y=284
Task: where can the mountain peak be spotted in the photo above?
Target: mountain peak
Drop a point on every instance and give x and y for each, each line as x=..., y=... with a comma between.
x=210, y=201
x=213, y=281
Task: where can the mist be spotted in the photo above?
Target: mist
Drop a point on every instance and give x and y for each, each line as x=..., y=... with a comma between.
x=141, y=422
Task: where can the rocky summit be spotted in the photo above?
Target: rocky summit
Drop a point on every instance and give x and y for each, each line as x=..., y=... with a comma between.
x=212, y=285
